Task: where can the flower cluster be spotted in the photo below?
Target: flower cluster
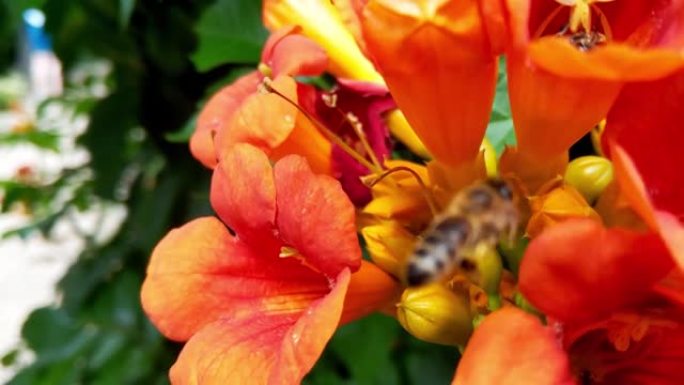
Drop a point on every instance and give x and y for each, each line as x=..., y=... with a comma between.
x=589, y=291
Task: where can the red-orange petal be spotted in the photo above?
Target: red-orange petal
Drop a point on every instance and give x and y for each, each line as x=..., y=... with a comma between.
x=512, y=347
x=200, y=273
x=580, y=271
x=243, y=194
x=276, y=349
x=436, y=60
x=316, y=217
x=646, y=121
x=663, y=222
x=217, y=114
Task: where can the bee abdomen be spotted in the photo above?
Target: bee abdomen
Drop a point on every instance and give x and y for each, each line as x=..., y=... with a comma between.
x=438, y=250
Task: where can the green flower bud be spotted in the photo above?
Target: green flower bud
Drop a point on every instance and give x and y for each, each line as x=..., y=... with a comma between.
x=590, y=175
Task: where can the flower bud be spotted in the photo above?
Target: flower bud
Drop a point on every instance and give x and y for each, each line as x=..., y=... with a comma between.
x=490, y=161
x=590, y=175
x=513, y=253
x=433, y=313
x=487, y=269
x=388, y=244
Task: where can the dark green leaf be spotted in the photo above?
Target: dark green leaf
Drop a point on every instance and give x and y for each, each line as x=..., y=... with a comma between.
x=230, y=31
x=184, y=133
x=106, y=138
x=366, y=347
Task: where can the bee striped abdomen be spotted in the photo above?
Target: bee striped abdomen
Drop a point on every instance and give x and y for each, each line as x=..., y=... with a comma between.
x=478, y=216
x=438, y=250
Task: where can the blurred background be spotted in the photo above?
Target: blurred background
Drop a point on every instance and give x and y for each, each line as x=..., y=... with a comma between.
x=97, y=102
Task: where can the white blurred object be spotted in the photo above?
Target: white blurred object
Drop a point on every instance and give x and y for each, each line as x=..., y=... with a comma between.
x=30, y=268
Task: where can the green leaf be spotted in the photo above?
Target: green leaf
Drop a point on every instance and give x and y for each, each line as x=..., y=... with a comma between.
x=9, y=358
x=500, y=131
x=54, y=335
x=106, y=138
x=366, y=347
x=126, y=8
x=43, y=139
x=184, y=133
x=230, y=31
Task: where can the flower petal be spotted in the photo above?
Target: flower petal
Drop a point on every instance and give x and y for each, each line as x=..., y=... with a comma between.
x=578, y=270
x=615, y=62
x=217, y=115
x=200, y=273
x=665, y=223
x=646, y=122
x=288, y=53
x=321, y=22
x=264, y=120
x=370, y=290
x=512, y=347
x=552, y=112
x=315, y=217
x=273, y=350
x=243, y=193
x=435, y=58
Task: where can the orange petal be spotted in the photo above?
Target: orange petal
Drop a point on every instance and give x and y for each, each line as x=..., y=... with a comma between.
x=578, y=270
x=316, y=217
x=256, y=350
x=613, y=62
x=531, y=170
x=370, y=290
x=512, y=347
x=306, y=140
x=200, y=273
x=243, y=193
x=436, y=61
x=264, y=120
x=552, y=112
x=217, y=114
x=288, y=53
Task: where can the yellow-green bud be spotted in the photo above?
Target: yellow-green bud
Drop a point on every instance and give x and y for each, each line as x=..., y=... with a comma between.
x=433, y=313
x=488, y=268
x=513, y=253
x=590, y=175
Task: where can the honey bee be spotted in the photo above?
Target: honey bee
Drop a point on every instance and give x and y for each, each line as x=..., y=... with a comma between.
x=478, y=216
x=585, y=41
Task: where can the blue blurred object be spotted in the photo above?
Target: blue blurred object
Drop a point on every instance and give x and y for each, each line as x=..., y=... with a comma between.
x=36, y=37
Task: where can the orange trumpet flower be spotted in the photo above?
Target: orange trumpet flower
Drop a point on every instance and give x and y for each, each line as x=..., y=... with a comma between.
x=258, y=296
